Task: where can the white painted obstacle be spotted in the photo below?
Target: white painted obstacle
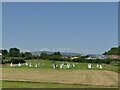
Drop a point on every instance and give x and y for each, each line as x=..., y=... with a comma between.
x=19, y=64
x=61, y=65
x=65, y=66
x=53, y=66
x=97, y=66
x=30, y=65
x=11, y=64
x=100, y=66
x=89, y=66
x=26, y=64
x=36, y=65
x=73, y=65
x=68, y=66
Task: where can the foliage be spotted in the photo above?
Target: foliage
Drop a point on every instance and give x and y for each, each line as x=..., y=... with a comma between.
x=4, y=52
x=22, y=55
x=15, y=60
x=14, y=52
x=44, y=56
x=27, y=56
x=113, y=51
x=14, y=55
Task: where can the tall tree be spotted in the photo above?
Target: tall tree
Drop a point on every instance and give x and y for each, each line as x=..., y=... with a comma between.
x=44, y=56
x=28, y=55
x=14, y=52
x=4, y=52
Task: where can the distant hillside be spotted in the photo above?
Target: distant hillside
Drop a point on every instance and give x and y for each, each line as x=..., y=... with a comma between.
x=39, y=52
x=49, y=52
x=113, y=51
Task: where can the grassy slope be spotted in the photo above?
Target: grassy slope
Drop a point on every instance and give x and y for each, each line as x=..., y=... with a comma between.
x=86, y=77
x=79, y=66
x=113, y=51
x=11, y=84
x=48, y=75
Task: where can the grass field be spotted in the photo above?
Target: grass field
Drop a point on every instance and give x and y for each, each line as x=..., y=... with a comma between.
x=47, y=77
x=79, y=66
x=21, y=84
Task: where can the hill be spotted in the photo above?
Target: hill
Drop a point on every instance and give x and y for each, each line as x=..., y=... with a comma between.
x=50, y=52
x=113, y=51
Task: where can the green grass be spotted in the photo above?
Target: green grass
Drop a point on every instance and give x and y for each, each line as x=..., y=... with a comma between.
x=20, y=84
x=48, y=65
x=0, y=84
x=46, y=73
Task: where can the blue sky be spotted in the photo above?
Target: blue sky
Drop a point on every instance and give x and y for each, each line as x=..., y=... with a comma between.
x=71, y=27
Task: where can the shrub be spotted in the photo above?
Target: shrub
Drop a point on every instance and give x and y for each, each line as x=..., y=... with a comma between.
x=15, y=60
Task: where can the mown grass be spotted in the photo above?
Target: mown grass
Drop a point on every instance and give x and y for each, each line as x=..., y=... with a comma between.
x=48, y=65
x=23, y=84
x=45, y=73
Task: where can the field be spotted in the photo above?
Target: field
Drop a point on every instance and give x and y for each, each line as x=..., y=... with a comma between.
x=44, y=76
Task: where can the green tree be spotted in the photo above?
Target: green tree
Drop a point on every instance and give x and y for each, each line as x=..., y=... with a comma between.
x=57, y=53
x=55, y=56
x=4, y=52
x=28, y=55
x=14, y=52
x=44, y=56
x=22, y=54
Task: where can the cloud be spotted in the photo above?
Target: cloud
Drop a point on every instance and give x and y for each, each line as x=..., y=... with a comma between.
x=44, y=49
x=66, y=50
x=83, y=51
x=27, y=50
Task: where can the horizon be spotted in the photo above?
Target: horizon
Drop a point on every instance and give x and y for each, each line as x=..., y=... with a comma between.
x=46, y=50
x=72, y=27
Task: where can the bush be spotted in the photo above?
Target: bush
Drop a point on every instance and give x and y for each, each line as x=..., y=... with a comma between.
x=28, y=57
x=116, y=63
x=15, y=60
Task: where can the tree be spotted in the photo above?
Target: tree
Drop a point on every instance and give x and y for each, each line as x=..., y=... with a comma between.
x=44, y=56
x=55, y=56
x=4, y=52
x=15, y=60
x=27, y=55
x=22, y=54
x=57, y=53
x=14, y=52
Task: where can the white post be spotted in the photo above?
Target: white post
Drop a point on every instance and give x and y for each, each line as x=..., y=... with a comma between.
x=30, y=65
x=38, y=64
x=19, y=64
x=89, y=66
x=100, y=66
x=97, y=65
x=68, y=66
x=11, y=64
x=61, y=65
x=73, y=65
x=53, y=66
x=26, y=64
x=35, y=65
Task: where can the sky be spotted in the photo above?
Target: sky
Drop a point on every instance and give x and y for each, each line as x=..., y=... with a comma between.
x=87, y=28
x=0, y=25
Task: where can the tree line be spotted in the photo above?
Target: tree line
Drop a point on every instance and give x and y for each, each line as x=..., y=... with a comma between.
x=14, y=55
